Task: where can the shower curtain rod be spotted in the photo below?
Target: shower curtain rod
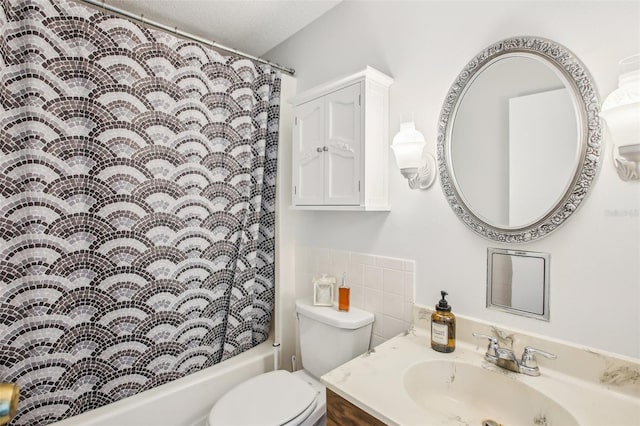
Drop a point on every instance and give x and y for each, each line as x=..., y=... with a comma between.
x=148, y=22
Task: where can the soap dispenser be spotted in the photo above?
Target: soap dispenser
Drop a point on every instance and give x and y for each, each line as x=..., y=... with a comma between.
x=343, y=295
x=443, y=327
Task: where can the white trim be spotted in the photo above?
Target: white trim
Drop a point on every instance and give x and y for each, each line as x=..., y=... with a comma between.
x=368, y=73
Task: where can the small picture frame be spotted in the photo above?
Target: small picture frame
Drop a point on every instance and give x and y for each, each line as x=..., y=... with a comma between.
x=322, y=294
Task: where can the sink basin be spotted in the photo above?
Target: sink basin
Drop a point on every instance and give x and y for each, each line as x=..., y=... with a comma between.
x=472, y=395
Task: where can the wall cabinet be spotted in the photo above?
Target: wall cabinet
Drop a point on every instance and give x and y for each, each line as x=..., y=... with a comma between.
x=341, y=144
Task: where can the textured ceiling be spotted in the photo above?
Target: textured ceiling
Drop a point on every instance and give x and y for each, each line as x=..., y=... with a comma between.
x=251, y=26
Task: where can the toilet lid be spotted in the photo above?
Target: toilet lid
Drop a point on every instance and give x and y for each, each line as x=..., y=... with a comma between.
x=273, y=398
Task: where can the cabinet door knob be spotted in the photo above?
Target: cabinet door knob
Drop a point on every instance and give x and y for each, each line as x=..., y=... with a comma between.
x=325, y=148
x=319, y=149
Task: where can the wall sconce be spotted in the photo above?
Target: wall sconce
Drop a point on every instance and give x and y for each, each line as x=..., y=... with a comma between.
x=621, y=111
x=415, y=164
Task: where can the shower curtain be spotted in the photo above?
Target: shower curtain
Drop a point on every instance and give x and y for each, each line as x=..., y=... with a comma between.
x=137, y=196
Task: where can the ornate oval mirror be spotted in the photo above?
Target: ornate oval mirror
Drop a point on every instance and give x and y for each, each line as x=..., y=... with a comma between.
x=519, y=139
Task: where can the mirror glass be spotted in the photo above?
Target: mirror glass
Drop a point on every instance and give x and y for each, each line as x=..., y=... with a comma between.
x=518, y=282
x=506, y=130
x=519, y=139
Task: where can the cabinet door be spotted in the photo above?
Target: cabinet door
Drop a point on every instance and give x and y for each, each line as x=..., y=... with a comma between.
x=308, y=154
x=342, y=157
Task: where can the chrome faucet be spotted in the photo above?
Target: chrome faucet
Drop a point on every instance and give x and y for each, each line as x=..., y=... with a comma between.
x=505, y=358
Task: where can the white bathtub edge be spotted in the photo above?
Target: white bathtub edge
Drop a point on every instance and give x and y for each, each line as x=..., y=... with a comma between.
x=182, y=402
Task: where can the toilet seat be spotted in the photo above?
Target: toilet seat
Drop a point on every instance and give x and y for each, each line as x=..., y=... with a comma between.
x=274, y=398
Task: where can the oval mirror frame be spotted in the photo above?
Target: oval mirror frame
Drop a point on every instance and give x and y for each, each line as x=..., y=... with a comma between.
x=587, y=103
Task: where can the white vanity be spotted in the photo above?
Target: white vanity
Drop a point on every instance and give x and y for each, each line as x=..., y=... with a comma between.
x=404, y=382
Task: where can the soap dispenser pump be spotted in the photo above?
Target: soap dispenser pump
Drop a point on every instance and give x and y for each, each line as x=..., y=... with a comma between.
x=443, y=327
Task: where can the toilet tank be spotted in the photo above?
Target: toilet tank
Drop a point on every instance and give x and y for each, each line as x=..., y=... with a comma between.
x=329, y=338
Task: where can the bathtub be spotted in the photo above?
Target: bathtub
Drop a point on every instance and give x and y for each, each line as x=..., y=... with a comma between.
x=182, y=402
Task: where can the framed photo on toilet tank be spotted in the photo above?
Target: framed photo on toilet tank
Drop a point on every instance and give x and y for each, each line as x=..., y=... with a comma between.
x=323, y=290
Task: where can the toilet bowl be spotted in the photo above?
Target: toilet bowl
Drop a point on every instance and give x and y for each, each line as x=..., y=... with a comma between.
x=328, y=338
x=275, y=398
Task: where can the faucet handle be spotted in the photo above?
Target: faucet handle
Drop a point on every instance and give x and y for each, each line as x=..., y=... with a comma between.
x=528, y=358
x=493, y=347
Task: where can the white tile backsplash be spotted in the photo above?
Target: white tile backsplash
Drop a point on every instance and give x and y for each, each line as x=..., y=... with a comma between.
x=339, y=266
x=408, y=312
x=392, y=281
x=382, y=285
x=393, y=305
x=373, y=277
x=409, y=265
x=378, y=325
x=391, y=327
x=409, y=287
x=373, y=300
x=365, y=259
x=324, y=260
x=356, y=273
x=376, y=340
x=390, y=263
x=356, y=296
x=339, y=256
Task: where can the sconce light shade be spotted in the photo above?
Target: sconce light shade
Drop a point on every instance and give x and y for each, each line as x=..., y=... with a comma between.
x=407, y=147
x=416, y=165
x=621, y=111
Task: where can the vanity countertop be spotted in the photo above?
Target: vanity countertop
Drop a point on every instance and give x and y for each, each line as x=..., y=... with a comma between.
x=375, y=383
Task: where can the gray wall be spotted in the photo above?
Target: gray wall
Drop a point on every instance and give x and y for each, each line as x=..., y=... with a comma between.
x=423, y=45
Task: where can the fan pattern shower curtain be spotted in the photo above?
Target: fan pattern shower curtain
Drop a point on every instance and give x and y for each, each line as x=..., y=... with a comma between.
x=137, y=196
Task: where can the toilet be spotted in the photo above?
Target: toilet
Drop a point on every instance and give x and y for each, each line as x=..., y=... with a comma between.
x=328, y=338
